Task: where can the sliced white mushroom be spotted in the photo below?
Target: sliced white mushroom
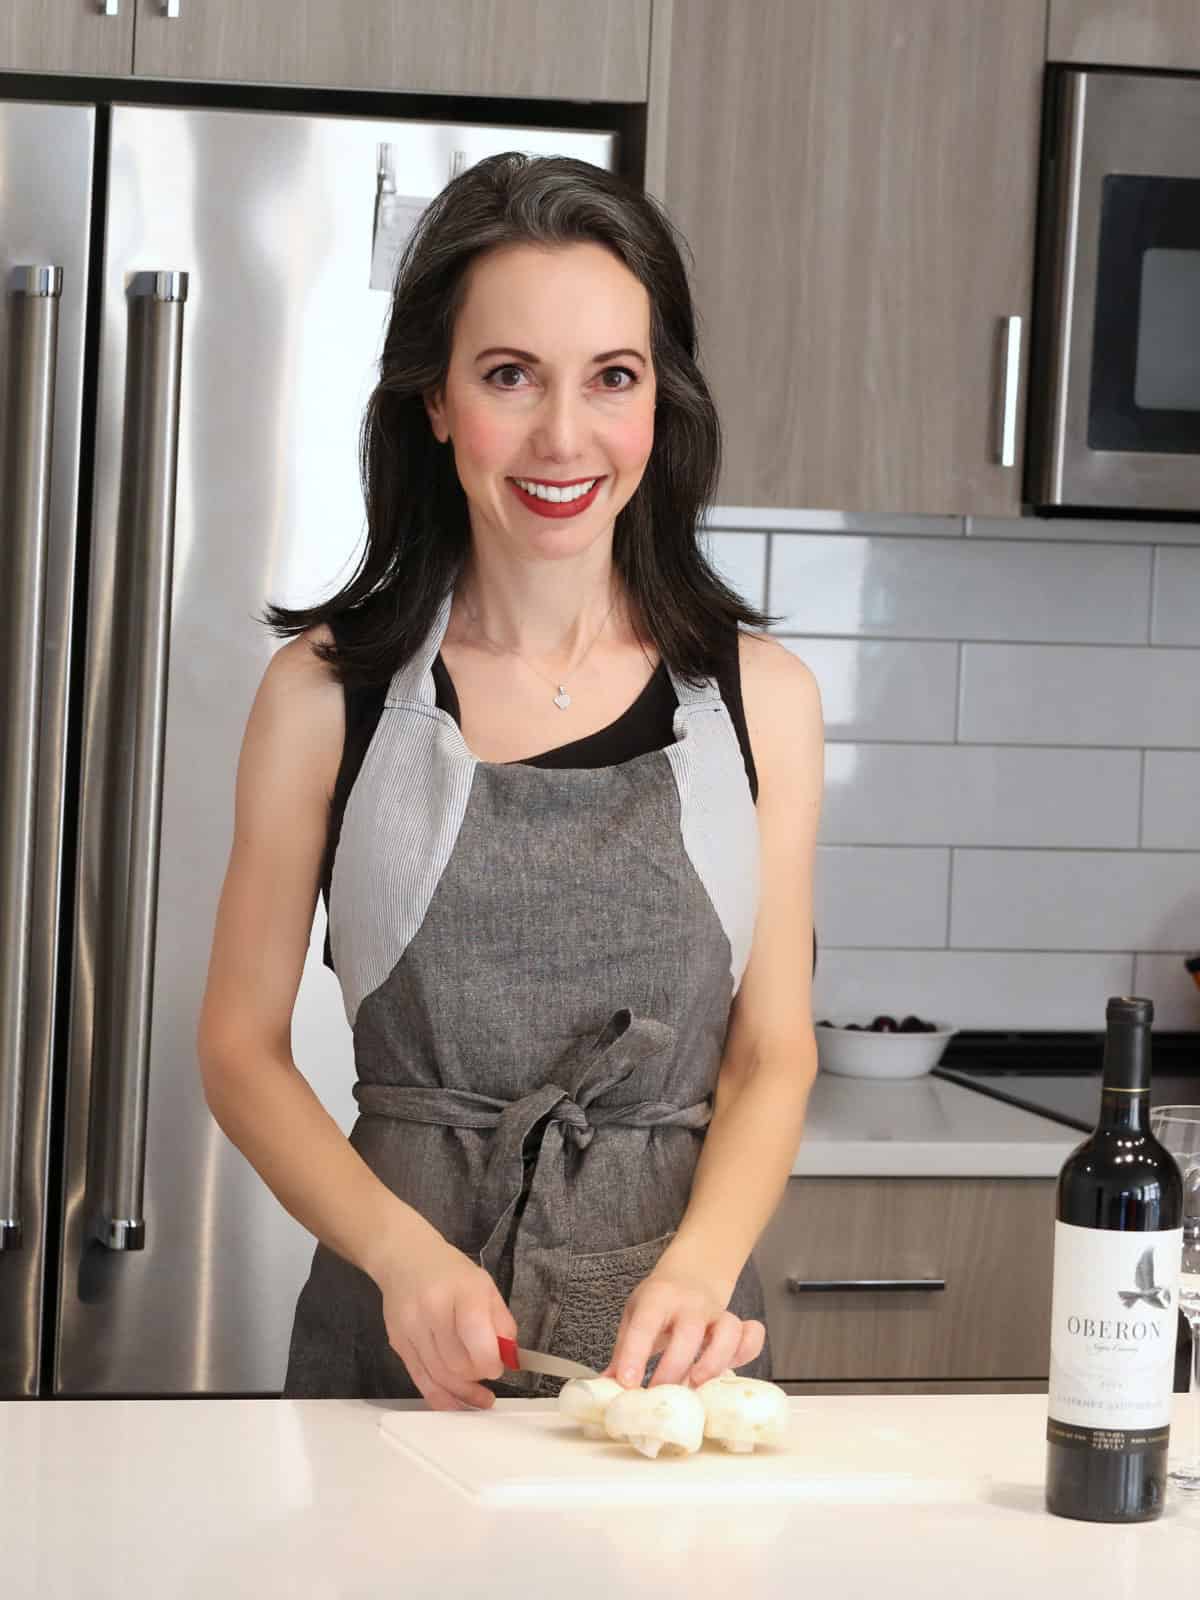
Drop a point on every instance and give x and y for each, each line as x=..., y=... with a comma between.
x=742, y=1412
x=668, y=1417
x=585, y=1400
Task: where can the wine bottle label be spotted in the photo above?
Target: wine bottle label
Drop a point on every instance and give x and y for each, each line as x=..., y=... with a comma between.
x=1113, y=1322
x=1128, y=1441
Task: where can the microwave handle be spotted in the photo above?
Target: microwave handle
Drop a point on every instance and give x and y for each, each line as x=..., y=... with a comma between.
x=1010, y=377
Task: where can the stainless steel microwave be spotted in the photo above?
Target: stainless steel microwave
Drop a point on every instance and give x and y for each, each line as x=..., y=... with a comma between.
x=1114, y=414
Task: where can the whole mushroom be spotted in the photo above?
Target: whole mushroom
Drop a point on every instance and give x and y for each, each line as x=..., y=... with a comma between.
x=743, y=1412
x=585, y=1400
x=667, y=1418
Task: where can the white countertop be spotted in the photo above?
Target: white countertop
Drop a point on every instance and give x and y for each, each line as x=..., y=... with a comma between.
x=200, y=1498
x=924, y=1128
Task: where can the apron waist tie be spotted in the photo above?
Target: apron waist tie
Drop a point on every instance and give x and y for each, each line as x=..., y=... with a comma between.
x=542, y=1245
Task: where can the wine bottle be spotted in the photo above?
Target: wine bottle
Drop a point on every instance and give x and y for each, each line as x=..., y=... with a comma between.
x=1118, y=1240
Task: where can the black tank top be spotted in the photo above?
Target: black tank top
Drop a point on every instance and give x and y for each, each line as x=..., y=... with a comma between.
x=648, y=724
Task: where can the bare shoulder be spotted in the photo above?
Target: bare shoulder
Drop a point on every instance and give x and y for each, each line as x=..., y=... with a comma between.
x=297, y=658
x=296, y=669
x=782, y=703
x=300, y=704
x=763, y=659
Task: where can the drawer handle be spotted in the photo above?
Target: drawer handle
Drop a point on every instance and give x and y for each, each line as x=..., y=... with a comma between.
x=872, y=1285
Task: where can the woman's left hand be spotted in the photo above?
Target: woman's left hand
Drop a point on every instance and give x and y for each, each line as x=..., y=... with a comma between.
x=681, y=1311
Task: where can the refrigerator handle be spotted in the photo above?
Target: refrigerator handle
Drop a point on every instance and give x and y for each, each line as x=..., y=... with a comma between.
x=133, y=810
x=35, y=294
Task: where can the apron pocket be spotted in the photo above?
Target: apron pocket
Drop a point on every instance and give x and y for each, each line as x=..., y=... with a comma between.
x=594, y=1299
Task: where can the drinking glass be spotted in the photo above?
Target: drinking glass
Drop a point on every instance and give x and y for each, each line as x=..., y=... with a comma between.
x=1178, y=1128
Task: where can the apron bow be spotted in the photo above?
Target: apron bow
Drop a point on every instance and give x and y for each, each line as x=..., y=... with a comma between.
x=577, y=1130
x=572, y=1108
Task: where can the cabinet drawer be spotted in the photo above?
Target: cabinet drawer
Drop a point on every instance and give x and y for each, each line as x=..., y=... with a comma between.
x=982, y=1249
x=52, y=36
x=535, y=49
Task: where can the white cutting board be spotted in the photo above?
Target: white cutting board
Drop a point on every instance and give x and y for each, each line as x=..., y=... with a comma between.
x=519, y=1452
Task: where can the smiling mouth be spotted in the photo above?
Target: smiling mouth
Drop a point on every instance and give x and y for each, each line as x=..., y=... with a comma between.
x=556, y=499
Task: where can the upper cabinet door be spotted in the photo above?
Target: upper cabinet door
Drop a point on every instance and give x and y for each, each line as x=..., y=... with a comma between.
x=1152, y=33
x=539, y=49
x=67, y=36
x=858, y=183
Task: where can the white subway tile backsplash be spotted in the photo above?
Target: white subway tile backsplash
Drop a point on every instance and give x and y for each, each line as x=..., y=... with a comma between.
x=1010, y=830
x=970, y=989
x=979, y=795
x=1080, y=694
x=883, y=688
x=1130, y=900
x=1177, y=597
x=741, y=560
x=1164, y=980
x=960, y=589
x=1171, y=802
x=872, y=895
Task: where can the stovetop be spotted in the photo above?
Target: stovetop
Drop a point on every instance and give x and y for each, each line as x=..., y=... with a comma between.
x=1057, y=1075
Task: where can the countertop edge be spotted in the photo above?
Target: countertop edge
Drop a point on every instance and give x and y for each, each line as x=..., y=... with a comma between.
x=878, y=1159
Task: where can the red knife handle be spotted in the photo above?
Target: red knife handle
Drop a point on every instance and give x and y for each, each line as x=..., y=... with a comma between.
x=508, y=1353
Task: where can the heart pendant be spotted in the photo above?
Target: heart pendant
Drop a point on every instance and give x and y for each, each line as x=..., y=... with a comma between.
x=562, y=699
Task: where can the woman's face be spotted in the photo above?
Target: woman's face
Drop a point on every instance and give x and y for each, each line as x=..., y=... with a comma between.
x=550, y=383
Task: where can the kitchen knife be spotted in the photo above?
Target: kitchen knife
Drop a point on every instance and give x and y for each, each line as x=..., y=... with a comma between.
x=519, y=1360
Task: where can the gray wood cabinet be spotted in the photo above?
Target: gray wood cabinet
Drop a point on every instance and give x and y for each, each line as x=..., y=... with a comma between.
x=858, y=184
x=551, y=49
x=1150, y=33
x=989, y=1241
x=66, y=36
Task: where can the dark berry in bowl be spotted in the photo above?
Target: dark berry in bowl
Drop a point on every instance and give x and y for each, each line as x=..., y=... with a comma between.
x=884, y=1025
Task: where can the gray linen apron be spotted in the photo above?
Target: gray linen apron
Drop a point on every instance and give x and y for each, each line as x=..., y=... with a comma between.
x=537, y=966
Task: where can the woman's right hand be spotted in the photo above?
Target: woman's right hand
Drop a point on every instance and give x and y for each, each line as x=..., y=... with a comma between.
x=443, y=1314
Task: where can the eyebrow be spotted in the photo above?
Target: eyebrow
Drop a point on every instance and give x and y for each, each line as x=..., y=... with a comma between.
x=526, y=355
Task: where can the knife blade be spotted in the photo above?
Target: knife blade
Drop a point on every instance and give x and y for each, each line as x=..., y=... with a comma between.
x=520, y=1360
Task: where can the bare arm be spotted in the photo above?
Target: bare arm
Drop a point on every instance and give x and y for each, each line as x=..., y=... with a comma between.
x=769, y=1060
x=260, y=1099
x=441, y=1311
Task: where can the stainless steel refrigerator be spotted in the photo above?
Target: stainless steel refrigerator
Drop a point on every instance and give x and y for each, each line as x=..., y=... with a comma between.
x=194, y=309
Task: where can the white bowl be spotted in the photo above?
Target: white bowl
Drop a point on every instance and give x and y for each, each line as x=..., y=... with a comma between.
x=859, y=1053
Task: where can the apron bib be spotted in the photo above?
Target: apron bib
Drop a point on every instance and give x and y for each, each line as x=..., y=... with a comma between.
x=537, y=965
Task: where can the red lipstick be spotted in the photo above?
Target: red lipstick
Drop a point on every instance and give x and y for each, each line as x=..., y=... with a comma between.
x=556, y=508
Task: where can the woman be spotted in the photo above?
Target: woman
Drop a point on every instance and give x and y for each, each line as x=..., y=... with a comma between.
x=519, y=752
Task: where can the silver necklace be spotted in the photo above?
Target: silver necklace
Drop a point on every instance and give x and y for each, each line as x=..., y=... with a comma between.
x=562, y=699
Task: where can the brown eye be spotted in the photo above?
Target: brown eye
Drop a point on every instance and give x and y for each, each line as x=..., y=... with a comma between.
x=508, y=367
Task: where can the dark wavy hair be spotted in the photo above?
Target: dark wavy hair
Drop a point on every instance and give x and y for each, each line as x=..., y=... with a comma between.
x=418, y=527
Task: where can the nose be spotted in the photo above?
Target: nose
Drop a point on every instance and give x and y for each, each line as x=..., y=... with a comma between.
x=560, y=424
